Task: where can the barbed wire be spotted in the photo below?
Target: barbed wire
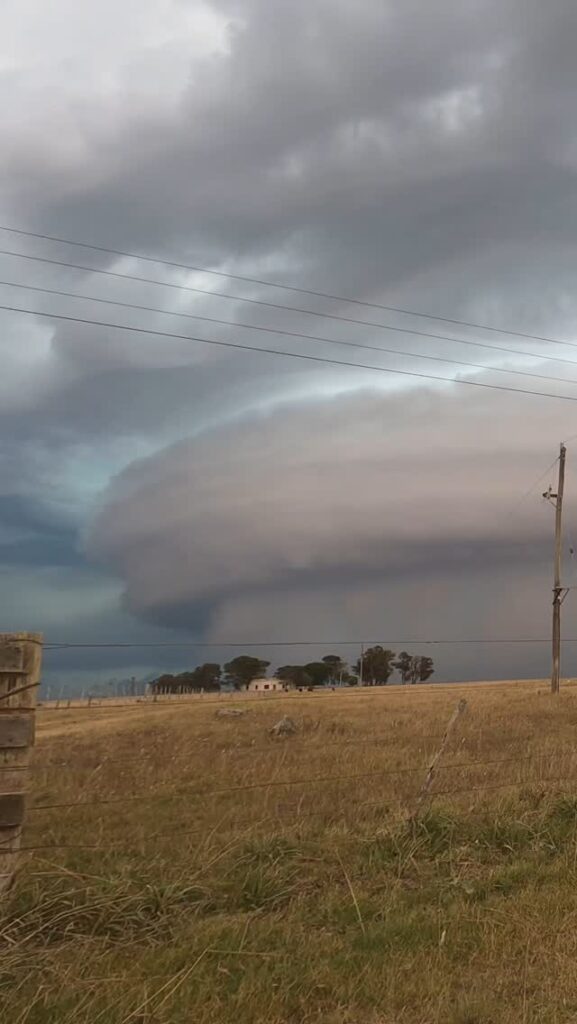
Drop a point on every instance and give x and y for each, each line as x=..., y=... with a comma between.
x=19, y=689
x=247, y=823
x=277, y=783
x=221, y=791
x=120, y=845
x=505, y=785
x=273, y=747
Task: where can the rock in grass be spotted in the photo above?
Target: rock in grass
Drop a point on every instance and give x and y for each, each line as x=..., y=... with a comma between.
x=285, y=727
x=230, y=712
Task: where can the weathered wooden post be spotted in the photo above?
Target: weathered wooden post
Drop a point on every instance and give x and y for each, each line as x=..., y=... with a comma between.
x=20, y=662
x=424, y=792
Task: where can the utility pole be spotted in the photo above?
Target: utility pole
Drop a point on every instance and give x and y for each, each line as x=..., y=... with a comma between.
x=559, y=593
x=361, y=683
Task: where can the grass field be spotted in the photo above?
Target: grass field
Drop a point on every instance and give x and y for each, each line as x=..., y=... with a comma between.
x=210, y=873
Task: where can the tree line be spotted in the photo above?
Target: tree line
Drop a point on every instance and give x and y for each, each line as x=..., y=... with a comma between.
x=375, y=668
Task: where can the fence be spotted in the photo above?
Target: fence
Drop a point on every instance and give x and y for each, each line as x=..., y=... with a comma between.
x=425, y=779
x=20, y=658
x=138, y=807
x=210, y=697
x=429, y=779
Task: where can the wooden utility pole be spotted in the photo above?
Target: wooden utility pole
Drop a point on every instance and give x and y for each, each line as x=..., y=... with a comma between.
x=558, y=592
x=361, y=666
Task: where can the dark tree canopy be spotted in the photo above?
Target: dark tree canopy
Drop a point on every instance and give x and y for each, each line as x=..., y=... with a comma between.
x=349, y=679
x=421, y=669
x=242, y=670
x=203, y=677
x=208, y=675
x=318, y=672
x=337, y=667
x=404, y=666
x=295, y=675
x=377, y=666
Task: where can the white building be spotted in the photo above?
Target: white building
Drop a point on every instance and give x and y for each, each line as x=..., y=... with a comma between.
x=265, y=685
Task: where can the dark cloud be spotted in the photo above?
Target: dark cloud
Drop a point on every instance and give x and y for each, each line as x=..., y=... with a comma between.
x=394, y=129
x=414, y=154
x=32, y=534
x=369, y=515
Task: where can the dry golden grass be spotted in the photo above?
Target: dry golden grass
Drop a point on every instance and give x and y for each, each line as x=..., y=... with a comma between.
x=192, y=884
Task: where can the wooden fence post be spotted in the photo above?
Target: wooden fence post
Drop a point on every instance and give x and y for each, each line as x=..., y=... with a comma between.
x=20, y=662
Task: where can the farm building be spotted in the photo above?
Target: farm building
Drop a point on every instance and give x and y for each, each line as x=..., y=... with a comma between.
x=268, y=685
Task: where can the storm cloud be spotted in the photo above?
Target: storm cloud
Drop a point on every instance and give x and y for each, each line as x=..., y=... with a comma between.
x=415, y=155
x=369, y=516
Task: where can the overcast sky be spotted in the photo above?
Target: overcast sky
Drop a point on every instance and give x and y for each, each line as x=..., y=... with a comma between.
x=409, y=154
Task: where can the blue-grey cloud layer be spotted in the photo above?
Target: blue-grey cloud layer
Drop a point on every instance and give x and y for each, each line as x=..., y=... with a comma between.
x=413, y=154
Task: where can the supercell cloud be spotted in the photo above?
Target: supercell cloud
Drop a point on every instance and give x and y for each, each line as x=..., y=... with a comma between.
x=410, y=154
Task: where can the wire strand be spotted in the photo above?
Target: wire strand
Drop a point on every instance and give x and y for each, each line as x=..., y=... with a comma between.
x=317, y=337
x=517, y=505
x=275, y=284
x=175, y=833
x=394, y=690
x=120, y=844
x=65, y=645
x=251, y=301
x=312, y=780
x=19, y=689
x=290, y=355
x=317, y=745
x=222, y=791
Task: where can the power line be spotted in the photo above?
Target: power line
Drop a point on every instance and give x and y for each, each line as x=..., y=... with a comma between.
x=514, y=508
x=329, y=341
x=64, y=645
x=535, y=484
x=276, y=284
x=289, y=355
x=255, y=302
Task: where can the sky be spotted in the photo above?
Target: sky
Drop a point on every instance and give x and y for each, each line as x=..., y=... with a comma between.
x=157, y=489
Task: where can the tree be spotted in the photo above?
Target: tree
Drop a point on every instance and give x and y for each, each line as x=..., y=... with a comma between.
x=164, y=684
x=318, y=672
x=185, y=682
x=240, y=671
x=294, y=675
x=421, y=669
x=377, y=666
x=404, y=666
x=337, y=667
x=207, y=676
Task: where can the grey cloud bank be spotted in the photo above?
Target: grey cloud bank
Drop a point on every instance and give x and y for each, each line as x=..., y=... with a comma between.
x=416, y=154
x=370, y=516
